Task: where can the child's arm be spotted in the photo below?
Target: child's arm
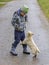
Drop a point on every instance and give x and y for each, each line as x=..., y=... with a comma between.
x=15, y=20
x=26, y=18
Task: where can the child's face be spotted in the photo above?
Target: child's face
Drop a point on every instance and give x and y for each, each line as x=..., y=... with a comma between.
x=22, y=13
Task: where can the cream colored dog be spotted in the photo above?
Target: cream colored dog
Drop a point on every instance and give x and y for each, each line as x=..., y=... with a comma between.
x=30, y=42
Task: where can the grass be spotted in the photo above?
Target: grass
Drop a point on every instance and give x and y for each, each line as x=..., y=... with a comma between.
x=5, y=0
x=45, y=6
x=1, y=5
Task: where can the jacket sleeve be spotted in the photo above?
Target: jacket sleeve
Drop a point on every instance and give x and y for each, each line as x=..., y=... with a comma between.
x=26, y=18
x=15, y=20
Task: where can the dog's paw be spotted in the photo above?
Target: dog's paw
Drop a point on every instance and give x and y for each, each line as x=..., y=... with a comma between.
x=22, y=44
x=34, y=56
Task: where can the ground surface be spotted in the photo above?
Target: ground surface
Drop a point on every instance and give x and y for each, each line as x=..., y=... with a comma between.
x=37, y=24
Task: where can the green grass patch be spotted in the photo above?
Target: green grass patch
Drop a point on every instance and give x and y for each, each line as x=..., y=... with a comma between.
x=1, y=5
x=45, y=6
x=5, y=0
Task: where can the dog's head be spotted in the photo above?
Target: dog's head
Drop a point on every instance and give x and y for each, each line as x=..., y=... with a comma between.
x=29, y=34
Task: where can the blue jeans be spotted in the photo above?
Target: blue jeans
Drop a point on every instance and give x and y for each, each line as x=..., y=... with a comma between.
x=19, y=36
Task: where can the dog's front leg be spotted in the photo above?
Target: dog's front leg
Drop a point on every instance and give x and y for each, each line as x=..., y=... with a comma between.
x=23, y=42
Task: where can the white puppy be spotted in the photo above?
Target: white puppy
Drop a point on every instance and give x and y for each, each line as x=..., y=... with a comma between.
x=30, y=42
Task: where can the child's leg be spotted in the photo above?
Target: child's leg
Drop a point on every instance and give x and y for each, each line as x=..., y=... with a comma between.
x=14, y=45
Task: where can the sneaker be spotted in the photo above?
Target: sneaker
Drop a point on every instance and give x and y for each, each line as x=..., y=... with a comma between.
x=34, y=56
x=13, y=53
x=25, y=52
